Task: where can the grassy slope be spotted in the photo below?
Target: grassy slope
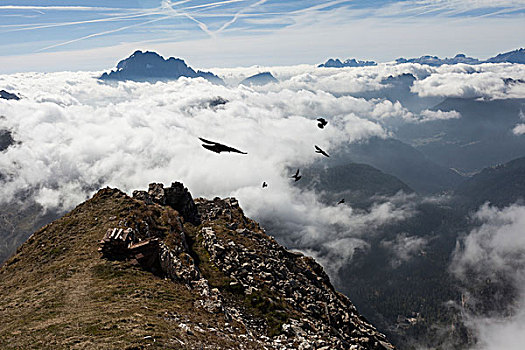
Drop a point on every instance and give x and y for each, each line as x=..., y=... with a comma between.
x=57, y=292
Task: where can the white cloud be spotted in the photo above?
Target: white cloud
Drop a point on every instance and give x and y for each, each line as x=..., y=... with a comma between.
x=404, y=248
x=486, y=81
x=495, y=251
x=77, y=135
x=496, y=246
x=519, y=129
x=428, y=115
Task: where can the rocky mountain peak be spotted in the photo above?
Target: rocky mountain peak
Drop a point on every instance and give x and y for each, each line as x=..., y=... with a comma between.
x=150, y=66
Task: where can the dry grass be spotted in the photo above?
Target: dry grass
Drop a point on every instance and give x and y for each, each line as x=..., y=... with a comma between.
x=57, y=292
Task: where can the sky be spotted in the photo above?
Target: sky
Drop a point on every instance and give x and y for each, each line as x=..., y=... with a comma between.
x=56, y=35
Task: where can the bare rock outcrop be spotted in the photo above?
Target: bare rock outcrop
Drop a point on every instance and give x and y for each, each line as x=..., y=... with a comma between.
x=176, y=196
x=281, y=299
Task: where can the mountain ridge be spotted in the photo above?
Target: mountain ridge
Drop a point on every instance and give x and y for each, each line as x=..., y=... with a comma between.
x=164, y=282
x=515, y=56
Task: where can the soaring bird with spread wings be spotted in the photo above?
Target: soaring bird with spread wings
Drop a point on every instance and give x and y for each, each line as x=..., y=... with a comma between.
x=218, y=147
x=320, y=151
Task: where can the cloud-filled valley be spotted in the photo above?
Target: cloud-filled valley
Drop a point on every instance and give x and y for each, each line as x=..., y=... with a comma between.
x=74, y=134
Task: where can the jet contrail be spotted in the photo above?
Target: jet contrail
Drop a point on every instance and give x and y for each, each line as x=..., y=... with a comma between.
x=110, y=19
x=236, y=16
x=168, y=6
x=101, y=33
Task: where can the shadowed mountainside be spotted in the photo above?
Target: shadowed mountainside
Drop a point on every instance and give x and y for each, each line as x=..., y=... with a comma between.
x=402, y=161
x=482, y=137
x=358, y=184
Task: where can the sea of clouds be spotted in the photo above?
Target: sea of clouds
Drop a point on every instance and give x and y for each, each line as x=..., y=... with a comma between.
x=75, y=134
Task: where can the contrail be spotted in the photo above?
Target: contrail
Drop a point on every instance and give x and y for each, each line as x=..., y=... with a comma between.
x=320, y=6
x=236, y=16
x=101, y=33
x=212, y=4
x=110, y=19
x=168, y=6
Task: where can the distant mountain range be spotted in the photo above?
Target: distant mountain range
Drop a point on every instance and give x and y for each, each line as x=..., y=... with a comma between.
x=6, y=140
x=436, y=61
x=331, y=63
x=401, y=160
x=150, y=66
x=516, y=56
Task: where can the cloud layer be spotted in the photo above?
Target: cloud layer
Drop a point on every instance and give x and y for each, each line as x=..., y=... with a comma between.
x=76, y=135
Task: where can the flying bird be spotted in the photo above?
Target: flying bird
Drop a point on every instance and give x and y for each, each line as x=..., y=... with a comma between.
x=320, y=151
x=264, y=184
x=322, y=123
x=341, y=201
x=218, y=147
x=297, y=177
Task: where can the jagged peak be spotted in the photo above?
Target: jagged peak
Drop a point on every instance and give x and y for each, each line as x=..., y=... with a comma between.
x=150, y=66
x=336, y=63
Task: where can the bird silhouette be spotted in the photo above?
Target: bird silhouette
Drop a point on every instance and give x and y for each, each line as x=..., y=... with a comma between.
x=322, y=123
x=341, y=201
x=264, y=184
x=218, y=147
x=297, y=177
x=320, y=151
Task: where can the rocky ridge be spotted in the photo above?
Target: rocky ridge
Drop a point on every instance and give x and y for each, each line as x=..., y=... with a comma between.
x=233, y=286
x=255, y=263
x=515, y=56
x=336, y=63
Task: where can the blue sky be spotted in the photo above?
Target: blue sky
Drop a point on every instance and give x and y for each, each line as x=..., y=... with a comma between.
x=50, y=35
